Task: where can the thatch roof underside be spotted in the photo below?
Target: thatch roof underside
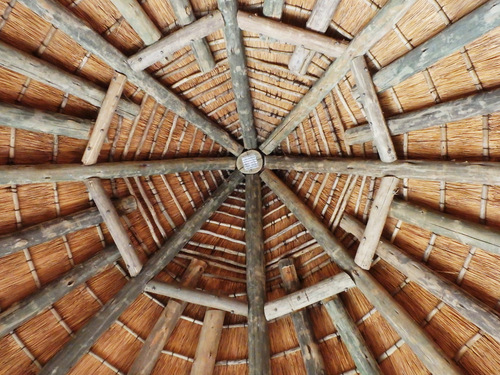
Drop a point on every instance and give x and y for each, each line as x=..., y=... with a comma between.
x=165, y=202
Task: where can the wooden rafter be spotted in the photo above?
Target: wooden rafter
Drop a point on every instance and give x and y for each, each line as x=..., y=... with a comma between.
x=273, y=8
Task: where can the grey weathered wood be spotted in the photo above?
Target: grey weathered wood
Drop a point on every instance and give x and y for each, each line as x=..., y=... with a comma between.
x=352, y=338
x=273, y=8
x=376, y=222
x=481, y=173
x=259, y=357
x=104, y=118
x=373, y=111
x=238, y=68
x=137, y=18
x=465, y=304
x=308, y=296
x=46, y=73
x=208, y=343
x=115, y=227
x=80, y=344
x=198, y=297
x=379, y=26
x=185, y=15
x=30, y=236
x=319, y=20
x=423, y=346
x=477, y=23
x=311, y=355
x=175, y=41
x=36, y=303
x=480, y=104
x=291, y=34
x=462, y=230
x=31, y=174
x=36, y=120
x=150, y=351
x=94, y=43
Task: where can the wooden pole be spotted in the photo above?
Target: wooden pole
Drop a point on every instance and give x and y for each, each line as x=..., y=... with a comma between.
x=62, y=18
x=481, y=173
x=45, y=173
x=273, y=8
x=259, y=357
x=146, y=360
x=104, y=118
x=68, y=356
x=466, y=305
x=34, y=304
x=460, y=33
x=311, y=355
x=378, y=27
x=238, y=68
x=197, y=297
x=30, y=236
x=422, y=345
x=352, y=338
x=46, y=73
x=208, y=343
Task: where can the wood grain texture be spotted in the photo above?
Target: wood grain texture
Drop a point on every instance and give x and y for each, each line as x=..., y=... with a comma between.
x=208, y=343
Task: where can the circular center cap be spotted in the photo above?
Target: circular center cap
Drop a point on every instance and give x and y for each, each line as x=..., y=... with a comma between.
x=250, y=162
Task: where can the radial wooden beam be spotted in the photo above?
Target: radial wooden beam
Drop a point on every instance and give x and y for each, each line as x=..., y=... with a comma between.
x=378, y=27
x=373, y=111
x=422, y=345
x=150, y=351
x=68, y=23
x=48, y=74
x=480, y=104
x=319, y=21
x=104, y=118
x=185, y=16
x=198, y=297
x=311, y=355
x=208, y=343
x=481, y=173
x=273, y=8
x=352, y=338
x=68, y=356
x=175, y=41
x=41, y=173
x=469, y=28
x=238, y=68
x=34, y=304
x=259, y=357
x=466, y=305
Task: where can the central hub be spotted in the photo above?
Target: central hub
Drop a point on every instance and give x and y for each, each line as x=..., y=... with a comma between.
x=250, y=162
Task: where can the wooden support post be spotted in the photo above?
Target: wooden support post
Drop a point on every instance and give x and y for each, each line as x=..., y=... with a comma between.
x=273, y=8
x=319, y=21
x=466, y=305
x=103, y=121
x=208, y=343
x=238, y=68
x=460, y=33
x=423, y=346
x=352, y=338
x=259, y=357
x=135, y=15
x=311, y=355
x=34, y=304
x=185, y=16
x=115, y=227
x=45, y=173
x=146, y=360
x=378, y=27
x=308, y=296
x=480, y=173
x=376, y=221
x=197, y=297
x=175, y=41
x=369, y=101
x=68, y=356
